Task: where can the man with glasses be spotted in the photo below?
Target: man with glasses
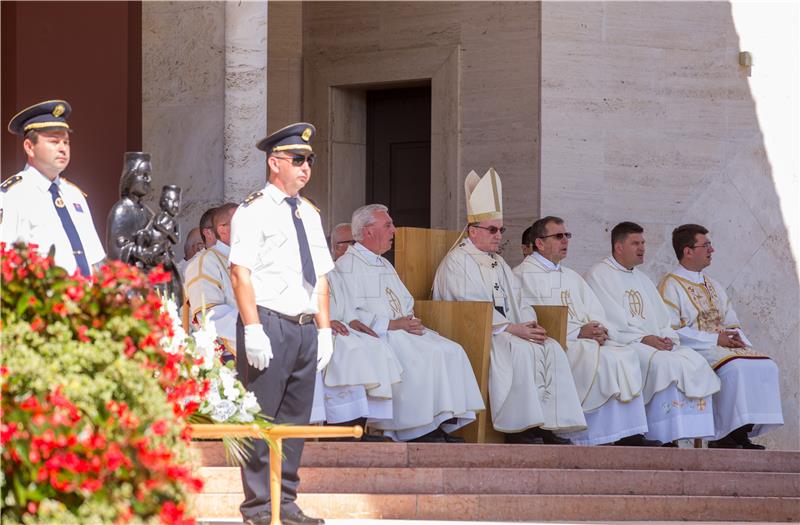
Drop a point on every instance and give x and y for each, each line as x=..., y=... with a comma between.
x=531, y=390
x=678, y=383
x=749, y=402
x=207, y=228
x=193, y=244
x=607, y=374
x=438, y=392
x=279, y=259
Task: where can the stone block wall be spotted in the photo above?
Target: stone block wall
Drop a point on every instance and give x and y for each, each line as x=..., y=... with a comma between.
x=648, y=116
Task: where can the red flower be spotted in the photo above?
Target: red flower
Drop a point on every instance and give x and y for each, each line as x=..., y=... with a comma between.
x=60, y=309
x=160, y=427
x=75, y=293
x=37, y=324
x=82, y=334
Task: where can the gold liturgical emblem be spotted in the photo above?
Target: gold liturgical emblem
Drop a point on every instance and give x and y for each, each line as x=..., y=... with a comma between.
x=566, y=300
x=394, y=302
x=58, y=110
x=306, y=134
x=635, y=303
x=59, y=202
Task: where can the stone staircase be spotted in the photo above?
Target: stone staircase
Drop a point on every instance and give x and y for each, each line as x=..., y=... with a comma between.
x=525, y=483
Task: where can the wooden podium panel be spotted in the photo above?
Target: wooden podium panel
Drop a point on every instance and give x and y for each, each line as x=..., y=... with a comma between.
x=554, y=320
x=417, y=254
x=469, y=323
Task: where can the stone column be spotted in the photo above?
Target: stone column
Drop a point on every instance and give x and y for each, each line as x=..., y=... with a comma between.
x=245, y=97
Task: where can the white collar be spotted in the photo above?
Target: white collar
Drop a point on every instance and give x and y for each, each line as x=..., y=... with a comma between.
x=614, y=263
x=689, y=275
x=545, y=262
x=222, y=248
x=279, y=196
x=40, y=180
x=370, y=256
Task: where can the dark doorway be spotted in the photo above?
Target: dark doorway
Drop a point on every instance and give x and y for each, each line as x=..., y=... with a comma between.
x=399, y=153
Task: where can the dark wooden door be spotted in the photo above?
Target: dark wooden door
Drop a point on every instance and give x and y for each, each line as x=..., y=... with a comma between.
x=399, y=153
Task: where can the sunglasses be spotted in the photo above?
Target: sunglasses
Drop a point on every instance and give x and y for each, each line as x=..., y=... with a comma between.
x=491, y=229
x=560, y=236
x=351, y=243
x=299, y=160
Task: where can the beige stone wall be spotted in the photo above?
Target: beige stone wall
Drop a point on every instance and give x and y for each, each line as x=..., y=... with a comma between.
x=647, y=116
x=481, y=59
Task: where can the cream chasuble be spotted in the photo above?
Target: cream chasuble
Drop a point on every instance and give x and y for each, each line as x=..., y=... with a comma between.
x=358, y=359
x=601, y=373
x=634, y=309
x=208, y=286
x=700, y=309
x=437, y=380
x=530, y=385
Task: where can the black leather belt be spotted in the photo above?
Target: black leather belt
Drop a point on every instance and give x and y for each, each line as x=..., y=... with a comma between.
x=296, y=319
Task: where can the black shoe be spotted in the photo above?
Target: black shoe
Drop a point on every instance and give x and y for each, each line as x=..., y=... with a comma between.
x=452, y=439
x=526, y=437
x=740, y=436
x=749, y=445
x=670, y=444
x=549, y=438
x=726, y=442
x=637, y=440
x=436, y=436
x=298, y=518
x=375, y=438
x=262, y=518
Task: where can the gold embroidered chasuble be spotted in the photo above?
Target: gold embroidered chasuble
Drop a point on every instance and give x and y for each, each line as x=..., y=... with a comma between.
x=208, y=285
x=600, y=372
x=634, y=310
x=530, y=385
x=699, y=310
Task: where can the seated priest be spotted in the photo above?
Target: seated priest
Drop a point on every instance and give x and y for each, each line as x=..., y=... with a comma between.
x=606, y=373
x=208, y=280
x=359, y=377
x=749, y=401
x=531, y=390
x=678, y=383
x=438, y=392
x=194, y=243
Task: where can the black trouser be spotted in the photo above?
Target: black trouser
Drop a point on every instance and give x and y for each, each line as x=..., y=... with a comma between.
x=285, y=391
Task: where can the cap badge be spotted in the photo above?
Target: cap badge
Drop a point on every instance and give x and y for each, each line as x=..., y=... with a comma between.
x=306, y=134
x=58, y=110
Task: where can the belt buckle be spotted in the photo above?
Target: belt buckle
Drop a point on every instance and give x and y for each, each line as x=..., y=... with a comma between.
x=304, y=318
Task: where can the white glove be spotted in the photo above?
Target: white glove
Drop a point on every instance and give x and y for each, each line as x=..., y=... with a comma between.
x=257, y=346
x=324, y=347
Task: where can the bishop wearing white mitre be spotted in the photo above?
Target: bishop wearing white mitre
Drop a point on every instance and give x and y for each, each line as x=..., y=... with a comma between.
x=678, y=383
x=606, y=373
x=749, y=402
x=359, y=377
x=438, y=392
x=531, y=390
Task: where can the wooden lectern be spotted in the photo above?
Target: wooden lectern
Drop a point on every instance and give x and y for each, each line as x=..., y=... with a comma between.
x=418, y=252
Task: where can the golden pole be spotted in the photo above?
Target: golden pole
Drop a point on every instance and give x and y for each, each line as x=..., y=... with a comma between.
x=275, y=477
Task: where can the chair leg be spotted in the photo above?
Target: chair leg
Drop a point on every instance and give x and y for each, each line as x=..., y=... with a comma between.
x=698, y=442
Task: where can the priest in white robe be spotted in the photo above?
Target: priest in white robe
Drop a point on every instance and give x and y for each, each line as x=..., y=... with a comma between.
x=607, y=374
x=438, y=392
x=678, y=383
x=531, y=390
x=208, y=281
x=358, y=380
x=749, y=402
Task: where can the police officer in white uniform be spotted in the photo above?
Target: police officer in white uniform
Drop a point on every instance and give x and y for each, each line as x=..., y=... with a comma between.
x=279, y=259
x=40, y=206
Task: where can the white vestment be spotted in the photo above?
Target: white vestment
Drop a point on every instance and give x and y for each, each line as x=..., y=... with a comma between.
x=530, y=385
x=208, y=288
x=700, y=309
x=678, y=384
x=359, y=377
x=437, y=381
x=603, y=374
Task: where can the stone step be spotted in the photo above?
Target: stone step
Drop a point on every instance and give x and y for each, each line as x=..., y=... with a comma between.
x=537, y=507
x=390, y=480
x=432, y=455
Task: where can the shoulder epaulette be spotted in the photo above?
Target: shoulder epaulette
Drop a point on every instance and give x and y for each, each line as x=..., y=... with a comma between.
x=311, y=203
x=253, y=196
x=75, y=185
x=10, y=182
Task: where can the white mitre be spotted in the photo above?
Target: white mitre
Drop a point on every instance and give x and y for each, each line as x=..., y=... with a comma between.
x=484, y=196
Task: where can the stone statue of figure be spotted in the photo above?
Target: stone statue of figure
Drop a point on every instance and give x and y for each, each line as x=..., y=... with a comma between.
x=156, y=239
x=137, y=236
x=129, y=214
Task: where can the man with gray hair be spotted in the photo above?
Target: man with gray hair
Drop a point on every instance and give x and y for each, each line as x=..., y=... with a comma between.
x=341, y=239
x=194, y=243
x=438, y=393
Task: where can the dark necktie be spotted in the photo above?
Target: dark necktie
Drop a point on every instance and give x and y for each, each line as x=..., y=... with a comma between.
x=305, y=254
x=70, y=230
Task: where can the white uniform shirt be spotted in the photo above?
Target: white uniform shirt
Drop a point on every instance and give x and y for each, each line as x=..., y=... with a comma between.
x=263, y=240
x=29, y=215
